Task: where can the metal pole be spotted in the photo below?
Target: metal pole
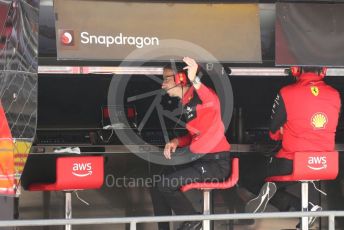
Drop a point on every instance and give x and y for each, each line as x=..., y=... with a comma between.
x=68, y=209
x=331, y=222
x=132, y=225
x=46, y=206
x=154, y=219
x=304, y=195
x=206, y=208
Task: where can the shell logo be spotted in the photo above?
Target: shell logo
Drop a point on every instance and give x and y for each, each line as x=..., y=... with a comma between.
x=67, y=37
x=319, y=120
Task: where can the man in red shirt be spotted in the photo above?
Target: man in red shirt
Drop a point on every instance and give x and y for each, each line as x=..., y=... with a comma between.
x=304, y=117
x=205, y=137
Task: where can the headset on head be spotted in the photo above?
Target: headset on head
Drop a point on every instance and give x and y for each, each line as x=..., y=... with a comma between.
x=180, y=79
x=297, y=70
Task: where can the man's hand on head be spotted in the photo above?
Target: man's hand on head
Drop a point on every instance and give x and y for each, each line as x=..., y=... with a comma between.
x=191, y=67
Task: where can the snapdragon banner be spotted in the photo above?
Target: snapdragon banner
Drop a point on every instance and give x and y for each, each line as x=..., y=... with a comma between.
x=112, y=30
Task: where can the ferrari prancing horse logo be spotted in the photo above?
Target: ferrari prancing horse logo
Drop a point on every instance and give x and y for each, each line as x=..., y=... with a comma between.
x=315, y=90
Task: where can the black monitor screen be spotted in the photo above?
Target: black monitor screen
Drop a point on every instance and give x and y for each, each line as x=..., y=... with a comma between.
x=71, y=101
x=310, y=34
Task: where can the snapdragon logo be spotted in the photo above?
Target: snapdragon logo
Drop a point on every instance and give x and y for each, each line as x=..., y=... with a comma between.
x=120, y=39
x=67, y=37
x=317, y=163
x=82, y=169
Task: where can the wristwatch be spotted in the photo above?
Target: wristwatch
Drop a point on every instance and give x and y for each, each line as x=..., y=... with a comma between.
x=197, y=80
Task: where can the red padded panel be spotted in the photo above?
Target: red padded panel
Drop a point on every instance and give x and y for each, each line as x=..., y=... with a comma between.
x=73, y=173
x=312, y=166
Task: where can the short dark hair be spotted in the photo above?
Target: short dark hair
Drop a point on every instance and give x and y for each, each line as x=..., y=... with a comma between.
x=175, y=67
x=313, y=69
x=168, y=66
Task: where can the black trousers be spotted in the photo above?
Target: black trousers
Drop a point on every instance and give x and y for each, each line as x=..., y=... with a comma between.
x=253, y=178
x=166, y=195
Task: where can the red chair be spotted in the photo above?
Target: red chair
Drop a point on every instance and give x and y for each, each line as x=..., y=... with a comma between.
x=207, y=187
x=74, y=173
x=310, y=166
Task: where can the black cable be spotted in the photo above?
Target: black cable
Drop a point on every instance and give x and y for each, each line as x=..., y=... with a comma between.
x=182, y=112
x=106, y=141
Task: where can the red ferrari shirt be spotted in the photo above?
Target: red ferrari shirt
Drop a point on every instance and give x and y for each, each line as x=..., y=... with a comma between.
x=203, y=122
x=308, y=111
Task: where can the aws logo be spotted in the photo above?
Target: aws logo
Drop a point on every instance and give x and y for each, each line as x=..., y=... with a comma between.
x=67, y=37
x=82, y=169
x=317, y=163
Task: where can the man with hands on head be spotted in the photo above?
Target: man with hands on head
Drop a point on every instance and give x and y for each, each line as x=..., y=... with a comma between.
x=206, y=136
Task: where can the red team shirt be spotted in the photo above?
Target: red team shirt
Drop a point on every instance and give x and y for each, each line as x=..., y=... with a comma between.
x=308, y=111
x=203, y=122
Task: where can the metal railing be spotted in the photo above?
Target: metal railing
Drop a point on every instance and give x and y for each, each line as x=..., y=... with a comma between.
x=133, y=221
